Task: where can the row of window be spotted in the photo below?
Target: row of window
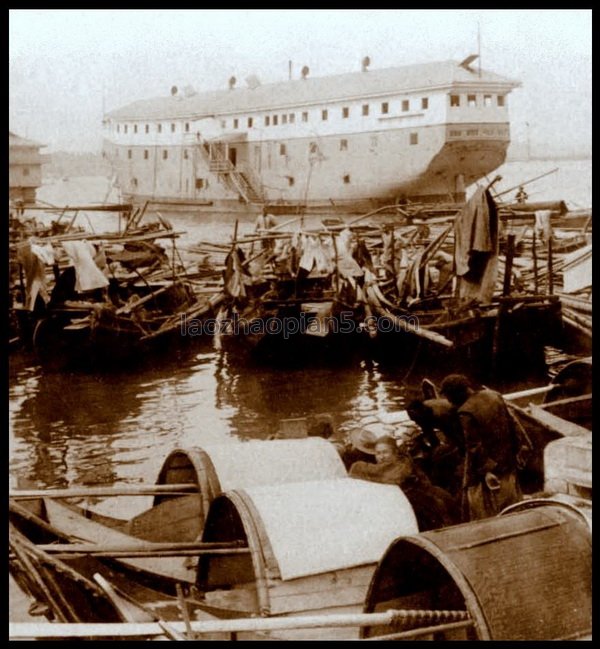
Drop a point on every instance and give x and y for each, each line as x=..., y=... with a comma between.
x=202, y=183
x=290, y=118
x=313, y=147
x=472, y=100
x=285, y=118
x=186, y=128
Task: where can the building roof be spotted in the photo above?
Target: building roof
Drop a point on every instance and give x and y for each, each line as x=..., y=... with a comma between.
x=17, y=140
x=295, y=92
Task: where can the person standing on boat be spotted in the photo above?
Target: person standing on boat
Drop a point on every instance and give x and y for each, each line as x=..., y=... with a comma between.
x=490, y=480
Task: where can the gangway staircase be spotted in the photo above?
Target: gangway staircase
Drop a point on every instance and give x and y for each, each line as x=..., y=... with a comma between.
x=239, y=179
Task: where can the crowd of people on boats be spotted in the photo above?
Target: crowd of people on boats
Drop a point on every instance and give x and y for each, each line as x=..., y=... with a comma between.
x=463, y=464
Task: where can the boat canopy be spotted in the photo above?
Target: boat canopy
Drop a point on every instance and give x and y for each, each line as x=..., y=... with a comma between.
x=523, y=575
x=219, y=468
x=309, y=528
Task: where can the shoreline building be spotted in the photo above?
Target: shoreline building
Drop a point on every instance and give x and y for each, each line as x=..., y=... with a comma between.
x=24, y=168
x=358, y=140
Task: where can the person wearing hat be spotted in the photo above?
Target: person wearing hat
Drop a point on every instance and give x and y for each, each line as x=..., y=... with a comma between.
x=433, y=506
x=359, y=446
x=392, y=466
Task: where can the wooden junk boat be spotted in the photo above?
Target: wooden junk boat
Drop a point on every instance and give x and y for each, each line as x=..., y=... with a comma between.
x=265, y=546
x=384, y=288
x=114, y=297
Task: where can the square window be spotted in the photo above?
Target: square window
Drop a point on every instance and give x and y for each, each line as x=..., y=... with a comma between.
x=345, y=112
x=165, y=154
x=199, y=183
x=147, y=128
x=305, y=117
x=187, y=127
x=185, y=154
x=172, y=128
x=159, y=128
x=250, y=122
x=145, y=154
x=487, y=100
x=385, y=108
x=324, y=115
x=290, y=181
x=235, y=122
x=126, y=125
x=347, y=179
x=292, y=118
x=282, y=149
x=405, y=105
x=135, y=128
x=267, y=120
x=454, y=100
x=343, y=145
x=365, y=109
x=414, y=138
x=312, y=147
x=275, y=120
x=284, y=119
x=129, y=153
x=425, y=103
x=471, y=100
x=500, y=100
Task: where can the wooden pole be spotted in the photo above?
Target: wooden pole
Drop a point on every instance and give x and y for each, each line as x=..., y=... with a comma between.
x=550, y=269
x=535, y=268
x=391, y=617
x=510, y=252
x=123, y=490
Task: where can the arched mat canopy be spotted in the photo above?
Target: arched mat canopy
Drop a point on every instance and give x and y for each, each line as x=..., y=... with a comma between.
x=309, y=528
x=525, y=575
x=218, y=468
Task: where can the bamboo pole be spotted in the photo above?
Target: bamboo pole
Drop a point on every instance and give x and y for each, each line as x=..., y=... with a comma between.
x=112, y=629
x=535, y=266
x=182, y=489
x=550, y=268
x=578, y=305
x=510, y=252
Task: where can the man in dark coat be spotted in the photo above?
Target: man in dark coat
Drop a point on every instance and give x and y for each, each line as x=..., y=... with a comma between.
x=490, y=478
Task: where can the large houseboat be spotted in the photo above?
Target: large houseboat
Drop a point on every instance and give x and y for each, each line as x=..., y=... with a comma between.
x=358, y=140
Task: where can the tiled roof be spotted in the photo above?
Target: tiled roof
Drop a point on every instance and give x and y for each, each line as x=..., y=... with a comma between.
x=310, y=90
x=17, y=140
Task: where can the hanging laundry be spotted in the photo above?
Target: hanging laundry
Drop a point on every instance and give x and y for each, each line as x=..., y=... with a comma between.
x=235, y=277
x=31, y=259
x=88, y=275
x=543, y=228
x=476, y=247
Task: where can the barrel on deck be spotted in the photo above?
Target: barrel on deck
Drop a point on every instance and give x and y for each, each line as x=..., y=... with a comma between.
x=525, y=575
x=313, y=547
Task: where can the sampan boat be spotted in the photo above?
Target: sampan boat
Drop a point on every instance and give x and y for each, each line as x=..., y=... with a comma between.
x=273, y=549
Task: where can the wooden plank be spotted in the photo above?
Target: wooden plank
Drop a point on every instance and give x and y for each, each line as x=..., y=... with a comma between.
x=337, y=588
x=73, y=524
x=558, y=424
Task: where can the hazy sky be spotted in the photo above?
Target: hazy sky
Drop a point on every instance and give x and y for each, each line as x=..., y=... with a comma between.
x=68, y=66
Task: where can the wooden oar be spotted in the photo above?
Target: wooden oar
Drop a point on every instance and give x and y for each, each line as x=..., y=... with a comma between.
x=123, y=490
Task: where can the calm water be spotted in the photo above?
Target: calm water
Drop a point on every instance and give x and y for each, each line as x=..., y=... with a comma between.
x=83, y=428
